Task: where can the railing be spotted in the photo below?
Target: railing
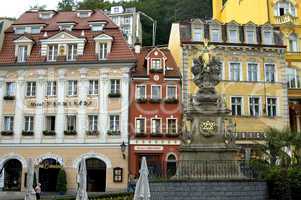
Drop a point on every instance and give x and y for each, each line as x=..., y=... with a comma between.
x=285, y=19
x=214, y=170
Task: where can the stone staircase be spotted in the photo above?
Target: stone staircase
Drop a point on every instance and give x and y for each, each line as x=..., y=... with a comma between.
x=208, y=190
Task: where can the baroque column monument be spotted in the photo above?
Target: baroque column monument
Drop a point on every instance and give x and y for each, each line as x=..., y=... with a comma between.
x=205, y=128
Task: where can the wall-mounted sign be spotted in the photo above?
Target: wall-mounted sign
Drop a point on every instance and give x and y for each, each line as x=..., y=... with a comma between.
x=148, y=148
x=47, y=103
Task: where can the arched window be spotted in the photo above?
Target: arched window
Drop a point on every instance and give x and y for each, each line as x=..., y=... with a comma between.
x=285, y=8
x=293, y=43
x=171, y=166
x=12, y=172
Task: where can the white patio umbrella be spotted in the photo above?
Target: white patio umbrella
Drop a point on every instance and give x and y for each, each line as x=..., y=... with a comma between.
x=142, y=191
x=30, y=194
x=82, y=181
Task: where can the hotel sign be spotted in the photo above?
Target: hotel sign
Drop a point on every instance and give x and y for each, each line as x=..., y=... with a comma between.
x=148, y=148
x=47, y=103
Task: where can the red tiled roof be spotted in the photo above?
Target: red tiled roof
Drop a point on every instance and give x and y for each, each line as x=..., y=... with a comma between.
x=141, y=68
x=119, y=52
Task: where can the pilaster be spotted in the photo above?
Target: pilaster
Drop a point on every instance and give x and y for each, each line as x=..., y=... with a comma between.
x=83, y=92
x=124, y=106
x=103, y=106
x=19, y=107
x=60, y=118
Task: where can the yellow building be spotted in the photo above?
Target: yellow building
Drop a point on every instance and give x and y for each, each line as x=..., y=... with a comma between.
x=283, y=14
x=253, y=82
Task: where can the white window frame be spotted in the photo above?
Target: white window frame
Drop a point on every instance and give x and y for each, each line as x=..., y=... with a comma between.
x=93, y=87
x=277, y=106
x=116, y=90
x=212, y=30
x=275, y=74
x=152, y=91
x=198, y=31
x=257, y=74
x=67, y=122
x=93, y=122
x=240, y=71
x=8, y=89
x=72, y=89
x=46, y=122
x=53, y=56
x=30, y=122
x=72, y=52
x=115, y=127
x=259, y=105
x=230, y=40
x=10, y=123
x=136, y=124
x=242, y=105
x=103, y=51
x=253, y=30
x=295, y=77
x=51, y=88
x=156, y=118
x=176, y=91
x=158, y=61
x=22, y=53
x=31, y=89
x=294, y=47
x=268, y=41
x=137, y=96
x=167, y=127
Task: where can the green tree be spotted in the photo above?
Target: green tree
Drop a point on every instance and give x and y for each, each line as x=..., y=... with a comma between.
x=38, y=7
x=66, y=5
x=61, y=185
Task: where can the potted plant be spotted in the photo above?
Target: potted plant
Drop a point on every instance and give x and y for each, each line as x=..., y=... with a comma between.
x=171, y=100
x=92, y=133
x=113, y=132
x=141, y=100
x=49, y=133
x=7, y=97
x=70, y=132
x=7, y=133
x=27, y=133
x=155, y=100
x=61, y=185
x=115, y=95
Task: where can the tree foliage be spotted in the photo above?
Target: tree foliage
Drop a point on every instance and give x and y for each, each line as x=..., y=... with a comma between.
x=66, y=5
x=61, y=185
x=164, y=11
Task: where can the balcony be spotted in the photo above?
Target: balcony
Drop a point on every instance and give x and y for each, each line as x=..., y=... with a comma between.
x=285, y=19
x=293, y=56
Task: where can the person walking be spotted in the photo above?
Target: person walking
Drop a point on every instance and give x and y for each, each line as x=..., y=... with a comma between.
x=38, y=191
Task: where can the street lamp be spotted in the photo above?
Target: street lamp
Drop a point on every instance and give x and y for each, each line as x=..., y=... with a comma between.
x=123, y=148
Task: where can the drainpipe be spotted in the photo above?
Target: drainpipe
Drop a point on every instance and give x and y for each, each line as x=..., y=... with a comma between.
x=268, y=7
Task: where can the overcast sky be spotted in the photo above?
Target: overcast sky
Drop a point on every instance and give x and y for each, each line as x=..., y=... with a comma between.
x=14, y=8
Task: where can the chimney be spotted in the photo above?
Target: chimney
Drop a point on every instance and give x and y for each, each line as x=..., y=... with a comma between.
x=137, y=47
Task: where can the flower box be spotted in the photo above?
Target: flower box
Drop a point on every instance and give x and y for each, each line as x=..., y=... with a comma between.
x=114, y=95
x=112, y=133
x=27, y=133
x=155, y=100
x=9, y=98
x=156, y=134
x=172, y=135
x=92, y=133
x=153, y=70
x=49, y=133
x=141, y=100
x=70, y=133
x=141, y=134
x=7, y=133
x=171, y=101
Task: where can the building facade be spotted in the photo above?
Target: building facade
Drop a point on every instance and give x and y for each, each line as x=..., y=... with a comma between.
x=4, y=24
x=64, y=86
x=253, y=82
x=284, y=14
x=128, y=19
x=155, y=112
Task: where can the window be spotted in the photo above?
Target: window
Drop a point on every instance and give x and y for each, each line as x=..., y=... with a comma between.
x=284, y=8
x=172, y=92
x=254, y=106
x=270, y=74
x=115, y=86
x=22, y=53
x=268, y=37
x=140, y=125
x=71, y=123
x=215, y=35
x=171, y=126
x=117, y=175
x=20, y=30
x=293, y=43
x=233, y=35
x=252, y=72
x=52, y=52
x=103, y=51
x=293, y=78
x=197, y=34
x=31, y=89
x=35, y=29
x=51, y=88
x=236, y=106
x=114, y=123
x=93, y=87
x=8, y=123
x=156, y=64
x=272, y=107
x=97, y=27
x=251, y=36
x=156, y=92
x=72, y=88
x=28, y=123
x=50, y=123
x=93, y=121
x=127, y=20
x=140, y=91
x=10, y=89
x=156, y=126
x=235, y=72
x=171, y=166
x=72, y=52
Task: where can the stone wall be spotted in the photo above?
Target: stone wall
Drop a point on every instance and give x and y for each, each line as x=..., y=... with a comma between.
x=208, y=190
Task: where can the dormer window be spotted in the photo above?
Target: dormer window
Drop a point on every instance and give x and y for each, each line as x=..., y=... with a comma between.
x=66, y=26
x=233, y=35
x=20, y=30
x=198, y=34
x=72, y=52
x=267, y=37
x=285, y=8
x=103, y=51
x=46, y=14
x=52, y=52
x=215, y=35
x=22, y=54
x=250, y=34
x=97, y=26
x=156, y=64
x=84, y=13
x=33, y=29
x=103, y=46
